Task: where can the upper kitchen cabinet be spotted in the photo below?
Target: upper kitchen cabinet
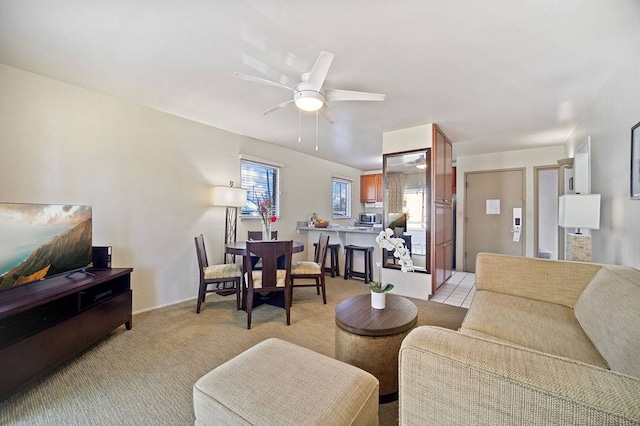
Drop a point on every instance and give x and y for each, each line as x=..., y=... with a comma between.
x=371, y=188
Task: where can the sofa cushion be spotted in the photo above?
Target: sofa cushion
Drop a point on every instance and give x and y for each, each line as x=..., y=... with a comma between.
x=609, y=312
x=542, y=326
x=447, y=378
x=539, y=279
x=485, y=336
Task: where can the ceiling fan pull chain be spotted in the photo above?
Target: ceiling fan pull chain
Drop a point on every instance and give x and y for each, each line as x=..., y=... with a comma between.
x=299, y=125
x=316, y=130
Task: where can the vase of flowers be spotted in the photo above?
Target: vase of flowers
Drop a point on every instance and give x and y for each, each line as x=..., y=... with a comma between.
x=387, y=241
x=265, y=208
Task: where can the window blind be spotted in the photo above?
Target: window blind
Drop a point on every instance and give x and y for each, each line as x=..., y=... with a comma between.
x=341, y=198
x=261, y=182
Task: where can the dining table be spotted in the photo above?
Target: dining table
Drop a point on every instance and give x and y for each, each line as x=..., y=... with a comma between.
x=239, y=248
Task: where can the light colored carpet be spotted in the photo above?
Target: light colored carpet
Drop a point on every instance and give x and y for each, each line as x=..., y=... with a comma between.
x=145, y=376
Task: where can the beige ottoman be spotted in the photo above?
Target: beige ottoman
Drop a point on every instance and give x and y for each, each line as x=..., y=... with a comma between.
x=279, y=383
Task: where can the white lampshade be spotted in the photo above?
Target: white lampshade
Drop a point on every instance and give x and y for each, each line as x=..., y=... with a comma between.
x=579, y=211
x=228, y=196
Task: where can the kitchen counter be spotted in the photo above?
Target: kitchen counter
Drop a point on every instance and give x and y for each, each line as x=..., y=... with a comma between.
x=356, y=229
x=411, y=284
x=344, y=235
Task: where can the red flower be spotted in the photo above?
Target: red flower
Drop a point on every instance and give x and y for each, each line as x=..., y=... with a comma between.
x=273, y=219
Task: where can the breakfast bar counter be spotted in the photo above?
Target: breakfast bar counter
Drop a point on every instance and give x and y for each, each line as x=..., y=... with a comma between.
x=346, y=229
x=344, y=235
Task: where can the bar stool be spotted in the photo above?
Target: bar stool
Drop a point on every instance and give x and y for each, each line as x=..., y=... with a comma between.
x=368, y=263
x=334, y=250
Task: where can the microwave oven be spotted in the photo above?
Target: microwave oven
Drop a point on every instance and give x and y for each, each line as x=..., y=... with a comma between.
x=370, y=218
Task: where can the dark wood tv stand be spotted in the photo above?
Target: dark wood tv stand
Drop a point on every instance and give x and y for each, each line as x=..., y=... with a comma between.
x=44, y=324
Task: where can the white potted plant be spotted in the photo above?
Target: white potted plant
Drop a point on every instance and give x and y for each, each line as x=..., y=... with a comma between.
x=387, y=241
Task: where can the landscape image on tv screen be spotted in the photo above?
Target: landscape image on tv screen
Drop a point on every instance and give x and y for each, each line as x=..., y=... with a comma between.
x=41, y=240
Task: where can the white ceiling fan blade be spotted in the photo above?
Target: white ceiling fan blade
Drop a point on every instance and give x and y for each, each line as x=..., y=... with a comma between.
x=349, y=95
x=326, y=113
x=277, y=106
x=261, y=80
x=320, y=70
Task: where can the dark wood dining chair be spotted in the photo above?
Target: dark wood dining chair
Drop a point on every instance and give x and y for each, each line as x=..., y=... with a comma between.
x=312, y=270
x=269, y=278
x=257, y=235
x=217, y=275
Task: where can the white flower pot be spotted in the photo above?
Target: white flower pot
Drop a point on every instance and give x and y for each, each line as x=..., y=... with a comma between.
x=378, y=300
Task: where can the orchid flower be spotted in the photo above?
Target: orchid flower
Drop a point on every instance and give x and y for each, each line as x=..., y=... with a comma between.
x=387, y=241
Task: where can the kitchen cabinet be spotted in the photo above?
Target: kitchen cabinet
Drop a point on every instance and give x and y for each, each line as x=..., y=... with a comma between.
x=442, y=169
x=442, y=210
x=371, y=188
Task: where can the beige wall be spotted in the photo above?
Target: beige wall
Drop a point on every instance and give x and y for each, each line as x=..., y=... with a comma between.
x=419, y=137
x=608, y=122
x=527, y=159
x=147, y=175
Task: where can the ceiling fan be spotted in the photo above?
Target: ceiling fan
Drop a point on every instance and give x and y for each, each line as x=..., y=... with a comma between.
x=309, y=95
x=415, y=160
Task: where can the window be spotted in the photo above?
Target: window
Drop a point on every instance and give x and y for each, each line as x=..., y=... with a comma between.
x=261, y=182
x=341, y=198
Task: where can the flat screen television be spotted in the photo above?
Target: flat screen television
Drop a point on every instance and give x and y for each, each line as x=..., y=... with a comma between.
x=38, y=241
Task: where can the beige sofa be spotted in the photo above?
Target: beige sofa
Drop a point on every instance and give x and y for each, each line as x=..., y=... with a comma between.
x=543, y=342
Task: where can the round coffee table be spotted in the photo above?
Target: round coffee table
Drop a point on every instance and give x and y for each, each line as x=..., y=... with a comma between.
x=370, y=338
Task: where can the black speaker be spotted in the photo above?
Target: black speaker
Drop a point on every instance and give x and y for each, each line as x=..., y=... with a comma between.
x=101, y=257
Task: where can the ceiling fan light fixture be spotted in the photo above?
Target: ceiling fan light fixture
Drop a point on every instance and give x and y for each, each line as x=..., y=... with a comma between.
x=309, y=100
x=420, y=163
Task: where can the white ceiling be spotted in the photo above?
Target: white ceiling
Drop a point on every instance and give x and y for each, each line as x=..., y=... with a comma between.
x=495, y=75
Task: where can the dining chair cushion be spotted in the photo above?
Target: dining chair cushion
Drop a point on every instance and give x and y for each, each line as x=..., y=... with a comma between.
x=305, y=268
x=281, y=276
x=230, y=270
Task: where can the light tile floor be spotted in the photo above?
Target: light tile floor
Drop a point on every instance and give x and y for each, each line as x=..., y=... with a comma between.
x=457, y=291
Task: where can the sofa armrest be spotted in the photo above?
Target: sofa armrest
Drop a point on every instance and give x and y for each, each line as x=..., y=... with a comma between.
x=550, y=281
x=447, y=378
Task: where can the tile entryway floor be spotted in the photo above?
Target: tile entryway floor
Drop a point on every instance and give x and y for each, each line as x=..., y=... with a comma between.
x=457, y=291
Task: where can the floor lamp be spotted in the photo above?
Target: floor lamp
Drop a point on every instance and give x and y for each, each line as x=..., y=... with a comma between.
x=231, y=198
x=579, y=211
